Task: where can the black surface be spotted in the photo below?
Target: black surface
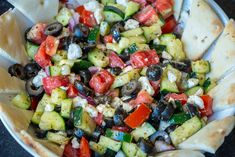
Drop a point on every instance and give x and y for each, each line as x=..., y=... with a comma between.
x=10, y=148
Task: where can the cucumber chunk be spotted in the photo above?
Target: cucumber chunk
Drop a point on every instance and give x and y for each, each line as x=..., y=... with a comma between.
x=31, y=49
x=55, y=70
x=110, y=143
x=113, y=14
x=152, y=32
x=133, y=32
x=64, y=16
x=201, y=66
x=98, y=58
x=194, y=90
x=104, y=28
x=130, y=149
x=132, y=7
x=66, y=106
x=145, y=130
x=97, y=148
x=57, y=95
x=21, y=100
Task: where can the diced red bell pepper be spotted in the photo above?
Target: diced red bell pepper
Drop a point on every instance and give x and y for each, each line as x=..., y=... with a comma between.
x=52, y=82
x=108, y=39
x=52, y=44
x=69, y=151
x=169, y=25
x=101, y=82
x=208, y=102
x=99, y=119
x=145, y=14
x=138, y=117
x=41, y=57
x=180, y=97
x=164, y=7
x=141, y=59
x=121, y=128
x=84, y=150
x=115, y=60
x=72, y=92
x=143, y=97
x=86, y=17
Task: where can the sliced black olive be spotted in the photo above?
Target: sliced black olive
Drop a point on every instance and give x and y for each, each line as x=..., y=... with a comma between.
x=83, y=89
x=32, y=90
x=81, y=31
x=115, y=70
x=79, y=133
x=40, y=133
x=171, y=128
x=86, y=47
x=130, y=88
x=54, y=29
x=161, y=146
x=57, y=108
x=104, y=99
x=31, y=70
x=145, y=145
x=109, y=123
x=70, y=132
x=17, y=70
x=157, y=109
x=119, y=116
x=97, y=133
x=160, y=135
x=154, y=72
x=168, y=112
x=69, y=123
x=191, y=110
x=66, y=41
x=184, y=66
x=85, y=76
x=116, y=31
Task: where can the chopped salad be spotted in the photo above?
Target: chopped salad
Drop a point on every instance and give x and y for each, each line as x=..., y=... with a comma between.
x=110, y=78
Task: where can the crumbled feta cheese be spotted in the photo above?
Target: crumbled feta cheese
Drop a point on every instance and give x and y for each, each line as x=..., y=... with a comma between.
x=74, y=51
x=145, y=85
x=93, y=112
x=93, y=5
x=117, y=102
x=107, y=110
x=75, y=143
x=37, y=80
x=196, y=100
x=166, y=55
x=65, y=70
x=100, y=108
x=127, y=107
x=192, y=82
x=131, y=24
x=78, y=101
x=156, y=41
x=49, y=108
x=199, y=92
x=122, y=2
x=171, y=76
x=124, y=98
x=99, y=16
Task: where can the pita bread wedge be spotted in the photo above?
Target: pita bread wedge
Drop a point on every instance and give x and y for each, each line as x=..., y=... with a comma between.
x=177, y=8
x=37, y=10
x=11, y=43
x=224, y=93
x=202, y=29
x=10, y=84
x=210, y=137
x=180, y=153
x=223, y=55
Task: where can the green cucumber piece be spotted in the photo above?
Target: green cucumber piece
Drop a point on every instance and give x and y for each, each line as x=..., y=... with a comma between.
x=94, y=35
x=81, y=65
x=22, y=101
x=132, y=32
x=209, y=84
x=115, y=47
x=123, y=43
x=55, y=70
x=66, y=106
x=57, y=138
x=145, y=130
x=98, y=58
x=193, y=91
x=64, y=16
x=118, y=135
x=201, y=66
x=152, y=32
x=113, y=14
x=110, y=143
x=57, y=95
x=60, y=55
x=51, y=120
x=31, y=49
x=201, y=78
x=132, y=7
x=137, y=40
x=130, y=149
x=97, y=148
x=143, y=46
x=186, y=130
x=104, y=28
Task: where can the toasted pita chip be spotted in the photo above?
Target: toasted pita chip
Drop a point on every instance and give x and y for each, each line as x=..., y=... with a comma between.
x=11, y=43
x=180, y=153
x=202, y=29
x=10, y=84
x=223, y=55
x=210, y=137
x=177, y=8
x=37, y=10
x=223, y=94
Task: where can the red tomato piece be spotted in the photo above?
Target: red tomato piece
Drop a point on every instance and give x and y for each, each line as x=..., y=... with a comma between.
x=169, y=25
x=138, y=117
x=143, y=97
x=145, y=14
x=41, y=57
x=208, y=102
x=101, y=82
x=164, y=7
x=69, y=151
x=72, y=92
x=141, y=59
x=180, y=97
x=121, y=128
x=99, y=119
x=52, y=82
x=86, y=17
x=115, y=61
x=52, y=44
x=84, y=148
x=36, y=33
x=153, y=19
x=108, y=39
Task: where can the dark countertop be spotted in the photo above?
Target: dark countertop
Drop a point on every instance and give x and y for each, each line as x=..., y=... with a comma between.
x=9, y=147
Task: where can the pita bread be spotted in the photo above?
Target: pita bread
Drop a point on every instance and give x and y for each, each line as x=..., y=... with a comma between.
x=11, y=43
x=223, y=94
x=223, y=55
x=177, y=8
x=180, y=153
x=37, y=10
x=10, y=84
x=210, y=137
x=202, y=29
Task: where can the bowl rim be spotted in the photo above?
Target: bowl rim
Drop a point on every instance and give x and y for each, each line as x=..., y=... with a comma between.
x=218, y=10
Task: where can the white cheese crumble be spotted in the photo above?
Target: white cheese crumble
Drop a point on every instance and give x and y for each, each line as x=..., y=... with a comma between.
x=107, y=110
x=192, y=82
x=92, y=111
x=199, y=92
x=75, y=143
x=166, y=55
x=156, y=41
x=196, y=100
x=171, y=76
x=93, y=5
x=78, y=101
x=131, y=24
x=145, y=85
x=117, y=102
x=37, y=80
x=49, y=108
x=74, y=51
x=65, y=70
x=99, y=16
x=122, y=2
